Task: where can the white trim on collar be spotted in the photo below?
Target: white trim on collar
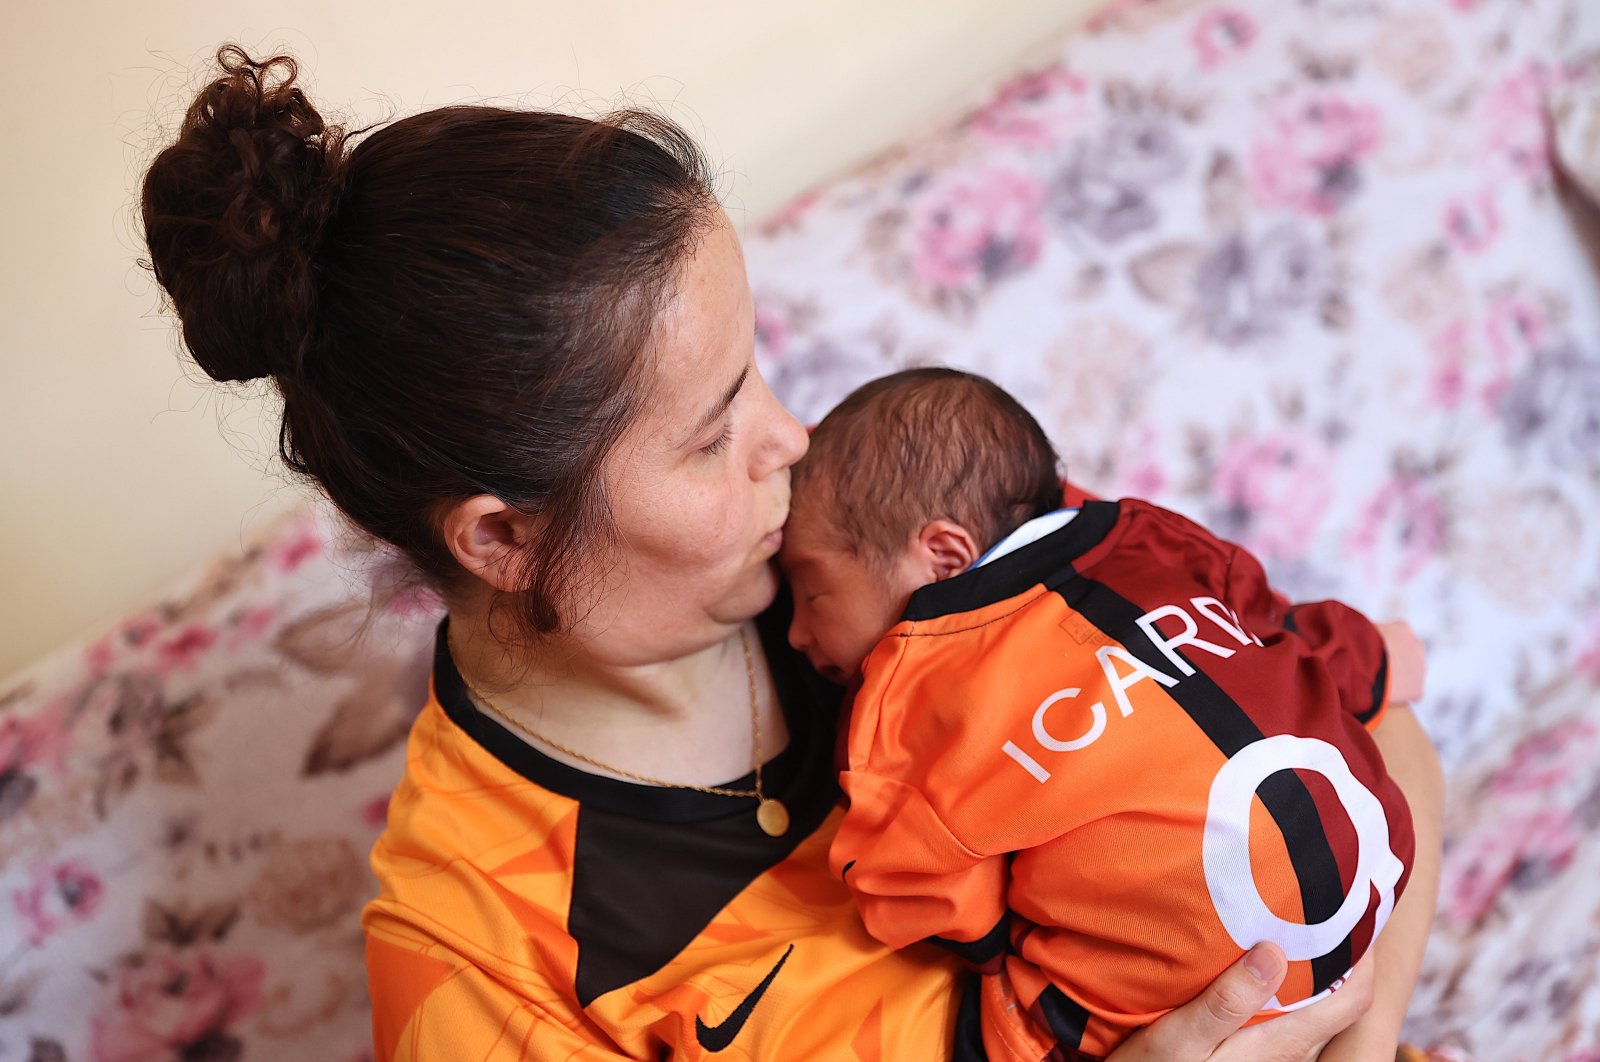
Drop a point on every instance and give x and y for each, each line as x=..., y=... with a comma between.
x=1028, y=533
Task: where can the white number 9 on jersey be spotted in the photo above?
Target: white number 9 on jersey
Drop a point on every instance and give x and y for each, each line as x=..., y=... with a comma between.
x=1226, y=849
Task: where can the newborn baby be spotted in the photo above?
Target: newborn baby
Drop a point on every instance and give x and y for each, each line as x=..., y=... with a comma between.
x=1090, y=750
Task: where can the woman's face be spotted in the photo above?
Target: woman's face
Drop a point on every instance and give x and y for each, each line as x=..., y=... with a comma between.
x=699, y=485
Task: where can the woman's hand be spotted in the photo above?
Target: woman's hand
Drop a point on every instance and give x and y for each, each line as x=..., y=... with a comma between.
x=1207, y=1029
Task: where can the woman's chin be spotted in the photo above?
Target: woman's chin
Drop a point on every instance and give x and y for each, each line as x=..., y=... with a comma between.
x=767, y=583
x=751, y=597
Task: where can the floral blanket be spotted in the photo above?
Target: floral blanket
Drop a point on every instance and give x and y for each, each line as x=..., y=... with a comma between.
x=1307, y=270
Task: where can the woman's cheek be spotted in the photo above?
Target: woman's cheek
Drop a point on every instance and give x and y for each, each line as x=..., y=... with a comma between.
x=719, y=527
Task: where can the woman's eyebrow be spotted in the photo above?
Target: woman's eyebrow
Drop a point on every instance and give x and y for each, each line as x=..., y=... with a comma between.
x=715, y=413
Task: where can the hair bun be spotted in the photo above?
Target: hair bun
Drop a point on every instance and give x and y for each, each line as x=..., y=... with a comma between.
x=233, y=212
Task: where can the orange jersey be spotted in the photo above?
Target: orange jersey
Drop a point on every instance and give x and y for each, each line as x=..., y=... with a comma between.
x=532, y=911
x=1105, y=765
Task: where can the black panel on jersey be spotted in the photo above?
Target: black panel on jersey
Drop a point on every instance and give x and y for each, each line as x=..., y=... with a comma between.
x=1380, y=686
x=1221, y=719
x=983, y=953
x=1064, y=1016
x=1038, y=562
x=654, y=865
x=968, y=1045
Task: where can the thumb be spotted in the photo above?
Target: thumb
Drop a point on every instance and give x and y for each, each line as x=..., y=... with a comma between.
x=1196, y=1029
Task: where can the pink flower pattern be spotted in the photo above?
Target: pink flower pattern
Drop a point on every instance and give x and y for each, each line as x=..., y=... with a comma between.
x=184, y=649
x=1220, y=34
x=1547, y=760
x=130, y=636
x=169, y=1004
x=772, y=330
x=61, y=893
x=1403, y=520
x=294, y=552
x=250, y=625
x=1516, y=327
x=1472, y=222
x=972, y=228
x=1273, y=492
x=791, y=213
x=1586, y=660
x=1035, y=110
x=375, y=812
x=1450, y=354
x=1308, y=155
x=1515, y=124
x=1487, y=863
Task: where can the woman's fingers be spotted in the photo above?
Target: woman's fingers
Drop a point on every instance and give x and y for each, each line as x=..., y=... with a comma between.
x=1301, y=1036
x=1197, y=1029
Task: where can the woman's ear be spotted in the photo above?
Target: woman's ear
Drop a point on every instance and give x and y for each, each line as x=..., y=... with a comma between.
x=947, y=548
x=488, y=537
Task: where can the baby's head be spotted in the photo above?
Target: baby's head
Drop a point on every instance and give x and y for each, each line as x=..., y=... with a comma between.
x=908, y=481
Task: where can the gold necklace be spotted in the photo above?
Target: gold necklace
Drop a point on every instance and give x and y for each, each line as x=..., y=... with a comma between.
x=771, y=815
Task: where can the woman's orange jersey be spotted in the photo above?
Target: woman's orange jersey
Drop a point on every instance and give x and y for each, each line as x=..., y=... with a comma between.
x=532, y=911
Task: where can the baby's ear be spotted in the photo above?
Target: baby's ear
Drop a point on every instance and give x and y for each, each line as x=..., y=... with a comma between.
x=948, y=548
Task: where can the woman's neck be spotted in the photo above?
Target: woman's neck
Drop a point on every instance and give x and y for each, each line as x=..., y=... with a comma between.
x=685, y=719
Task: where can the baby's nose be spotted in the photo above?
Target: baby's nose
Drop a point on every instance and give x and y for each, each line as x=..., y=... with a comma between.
x=799, y=636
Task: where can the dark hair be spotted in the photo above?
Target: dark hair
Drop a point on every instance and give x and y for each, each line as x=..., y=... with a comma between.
x=458, y=305
x=921, y=445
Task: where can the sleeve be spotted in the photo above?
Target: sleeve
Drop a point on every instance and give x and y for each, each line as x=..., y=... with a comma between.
x=430, y=1002
x=1348, y=644
x=912, y=879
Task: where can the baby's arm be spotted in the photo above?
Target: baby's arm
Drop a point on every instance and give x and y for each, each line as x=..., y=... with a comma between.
x=1408, y=663
x=1351, y=648
x=912, y=879
x=1414, y=765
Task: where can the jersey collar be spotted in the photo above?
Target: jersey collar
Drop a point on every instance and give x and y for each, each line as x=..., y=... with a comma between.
x=1005, y=573
x=799, y=774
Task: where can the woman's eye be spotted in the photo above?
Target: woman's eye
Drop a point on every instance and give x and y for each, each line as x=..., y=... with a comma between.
x=720, y=443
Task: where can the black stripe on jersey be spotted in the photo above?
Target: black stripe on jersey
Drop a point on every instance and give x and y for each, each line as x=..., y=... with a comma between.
x=652, y=865
x=1008, y=576
x=1221, y=719
x=968, y=1045
x=1380, y=686
x=985, y=952
x=1064, y=1016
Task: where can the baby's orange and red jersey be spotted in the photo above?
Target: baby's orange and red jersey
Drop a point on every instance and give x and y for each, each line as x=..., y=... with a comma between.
x=1105, y=765
x=530, y=911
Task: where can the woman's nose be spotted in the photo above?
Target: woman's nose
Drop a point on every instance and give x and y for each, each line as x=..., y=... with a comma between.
x=786, y=443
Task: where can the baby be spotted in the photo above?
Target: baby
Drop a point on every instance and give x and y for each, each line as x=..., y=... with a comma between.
x=1091, y=751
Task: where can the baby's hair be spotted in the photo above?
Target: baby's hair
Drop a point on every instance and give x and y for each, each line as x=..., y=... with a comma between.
x=921, y=445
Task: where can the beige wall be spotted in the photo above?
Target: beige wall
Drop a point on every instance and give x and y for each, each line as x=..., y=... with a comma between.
x=120, y=465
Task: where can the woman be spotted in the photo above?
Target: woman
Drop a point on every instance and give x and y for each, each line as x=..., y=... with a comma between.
x=519, y=347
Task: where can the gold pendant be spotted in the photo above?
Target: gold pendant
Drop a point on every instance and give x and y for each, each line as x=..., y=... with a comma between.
x=773, y=818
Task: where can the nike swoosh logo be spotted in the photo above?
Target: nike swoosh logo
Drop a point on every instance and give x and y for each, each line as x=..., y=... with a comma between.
x=717, y=1037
